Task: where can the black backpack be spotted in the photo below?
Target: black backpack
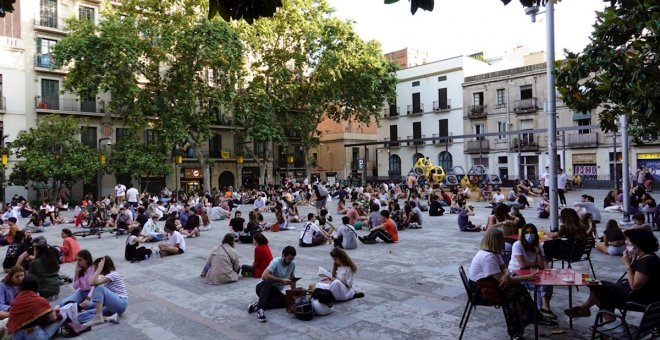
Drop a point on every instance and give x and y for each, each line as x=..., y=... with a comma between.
x=302, y=309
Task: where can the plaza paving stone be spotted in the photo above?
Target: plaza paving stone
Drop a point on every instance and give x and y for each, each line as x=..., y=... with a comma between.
x=412, y=288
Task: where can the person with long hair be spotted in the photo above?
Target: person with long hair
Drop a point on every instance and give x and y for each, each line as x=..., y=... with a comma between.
x=614, y=242
x=501, y=219
x=81, y=279
x=341, y=281
x=109, y=296
x=9, y=289
x=571, y=232
x=643, y=278
x=70, y=246
x=14, y=250
x=30, y=316
x=527, y=253
x=262, y=257
x=587, y=221
x=46, y=268
x=222, y=264
x=495, y=285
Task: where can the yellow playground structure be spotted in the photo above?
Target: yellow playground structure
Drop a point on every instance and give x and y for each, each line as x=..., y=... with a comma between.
x=425, y=168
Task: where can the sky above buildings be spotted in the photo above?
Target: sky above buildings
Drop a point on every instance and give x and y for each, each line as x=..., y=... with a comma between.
x=459, y=27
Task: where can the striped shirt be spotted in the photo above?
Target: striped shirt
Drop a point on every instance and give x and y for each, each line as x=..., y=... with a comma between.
x=116, y=284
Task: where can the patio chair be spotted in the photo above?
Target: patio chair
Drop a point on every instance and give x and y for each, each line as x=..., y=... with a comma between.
x=473, y=301
x=585, y=255
x=619, y=328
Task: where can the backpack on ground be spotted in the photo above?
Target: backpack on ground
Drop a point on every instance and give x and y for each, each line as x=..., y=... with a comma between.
x=302, y=308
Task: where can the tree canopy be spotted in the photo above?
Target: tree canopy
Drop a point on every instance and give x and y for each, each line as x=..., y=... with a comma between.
x=619, y=70
x=51, y=156
x=6, y=6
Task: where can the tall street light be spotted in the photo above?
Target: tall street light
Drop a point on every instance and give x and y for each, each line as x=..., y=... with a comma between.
x=550, y=106
x=102, y=162
x=178, y=159
x=5, y=161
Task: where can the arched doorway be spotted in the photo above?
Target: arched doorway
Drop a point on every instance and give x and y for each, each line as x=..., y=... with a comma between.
x=395, y=165
x=445, y=160
x=226, y=179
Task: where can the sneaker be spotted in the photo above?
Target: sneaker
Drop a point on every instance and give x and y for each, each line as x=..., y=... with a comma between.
x=261, y=316
x=361, y=238
x=252, y=308
x=547, y=322
x=114, y=318
x=577, y=312
x=547, y=313
x=358, y=295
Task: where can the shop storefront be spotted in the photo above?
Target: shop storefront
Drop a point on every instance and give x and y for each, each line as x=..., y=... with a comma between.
x=192, y=180
x=650, y=161
x=250, y=177
x=585, y=166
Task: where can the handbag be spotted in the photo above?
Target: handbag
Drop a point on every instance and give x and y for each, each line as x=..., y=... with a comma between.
x=489, y=291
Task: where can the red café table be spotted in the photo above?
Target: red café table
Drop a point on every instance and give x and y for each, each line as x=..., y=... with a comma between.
x=515, y=237
x=554, y=278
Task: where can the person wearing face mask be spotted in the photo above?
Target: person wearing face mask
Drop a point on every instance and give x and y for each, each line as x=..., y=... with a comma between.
x=527, y=253
x=643, y=278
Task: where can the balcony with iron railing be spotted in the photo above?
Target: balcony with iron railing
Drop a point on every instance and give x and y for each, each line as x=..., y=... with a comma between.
x=525, y=144
x=392, y=145
x=477, y=112
x=409, y=141
x=46, y=63
x=442, y=106
x=477, y=146
x=3, y=104
x=525, y=106
x=50, y=24
x=415, y=110
x=391, y=112
x=442, y=140
x=582, y=140
x=55, y=103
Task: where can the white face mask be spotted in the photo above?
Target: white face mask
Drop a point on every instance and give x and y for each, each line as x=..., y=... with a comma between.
x=630, y=248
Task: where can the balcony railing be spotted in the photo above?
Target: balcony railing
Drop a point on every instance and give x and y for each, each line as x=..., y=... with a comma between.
x=442, y=106
x=412, y=110
x=411, y=143
x=68, y=104
x=443, y=140
x=392, y=145
x=477, y=112
x=582, y=140
x=525, y=144
x=3, y=104
x=44, y=60
x=390, y=112
x=49, y=23
x=477, y=146
x=525, y=105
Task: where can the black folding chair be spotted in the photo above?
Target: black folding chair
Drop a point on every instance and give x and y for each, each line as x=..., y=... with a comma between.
x=581, y=248
x=473, y=301
x=619, y=328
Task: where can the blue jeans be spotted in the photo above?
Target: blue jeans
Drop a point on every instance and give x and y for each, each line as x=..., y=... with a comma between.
x=77, y=297
x=112, y=303
x=39, y=333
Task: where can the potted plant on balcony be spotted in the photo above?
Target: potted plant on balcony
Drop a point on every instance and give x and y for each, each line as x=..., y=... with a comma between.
x=42, y=105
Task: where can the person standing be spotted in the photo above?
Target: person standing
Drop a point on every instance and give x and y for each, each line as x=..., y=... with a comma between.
x=545, y=178
x=132, y=196
x=120, y=193
x=280, y=273
x=562, y=178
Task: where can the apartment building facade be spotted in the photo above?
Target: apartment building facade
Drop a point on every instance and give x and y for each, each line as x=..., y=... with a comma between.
x=507, y=109
x=31, y=87
x=428, y=111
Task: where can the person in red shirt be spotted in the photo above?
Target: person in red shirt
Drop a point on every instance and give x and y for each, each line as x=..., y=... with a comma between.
x=386, y=231
x=262, y=257
x=70, y=247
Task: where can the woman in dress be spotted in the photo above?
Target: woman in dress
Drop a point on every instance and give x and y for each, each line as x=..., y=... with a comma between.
x=222, y=264
x=341, y=281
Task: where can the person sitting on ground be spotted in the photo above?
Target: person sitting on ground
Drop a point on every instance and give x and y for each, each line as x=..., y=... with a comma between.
x=610, y=202
x=124, y=221
x=648, y=203
x=374, y=216
x=386, y=231
x=9, y=289
x=193, y=223
x=31, y=316
x=109, y=296
x=175, y=245
x=341, y=206
x=495, y=285
x=346, y=237
x=418, y=212
x=356, y=220
x=587, y=206
x=643, y=278
x=412, y=220
x=497, y=198
x=10, y=230
x=82, y=276
x=151, y=231
x=396, y=214
x=515, y=212
x=543, y=208
x=132, y=251
x=527, y=253
x=222, y=264
x=70, y=247
x=525, y=190
x=435, y=206
x=280, y=273
x=237, y=224
x=340, y=284
x=614, y=242
x=262, y=257
x=639, y=221
x=14, y=250
x=44, y=265
x=311, y=235
x=485, y=193
x=36, y=224
x=142, y=216
x=292, y=212
x=464, y=223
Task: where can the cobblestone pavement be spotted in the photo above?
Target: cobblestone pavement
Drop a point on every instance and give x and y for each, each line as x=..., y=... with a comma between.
x=412, y=288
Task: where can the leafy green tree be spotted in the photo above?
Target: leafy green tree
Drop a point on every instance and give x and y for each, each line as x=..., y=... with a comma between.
x=51, y=156
x=240, y=9
x=167, y=67
x=304, y=64
x=131, y=158
x=619, y=70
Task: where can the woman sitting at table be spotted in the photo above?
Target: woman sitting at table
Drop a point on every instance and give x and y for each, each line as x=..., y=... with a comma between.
x=571, y=233
x=614, y=243
x=527, y=253
x=643, y=277
x=587, y=221
x=501, y=219
x=495, y=285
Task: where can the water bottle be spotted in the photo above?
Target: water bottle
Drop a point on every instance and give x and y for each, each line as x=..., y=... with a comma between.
x=146, y=257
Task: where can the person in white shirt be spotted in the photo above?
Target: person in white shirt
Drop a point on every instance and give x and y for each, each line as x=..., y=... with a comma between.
x=151, y=231
x=497, y=197
x=562, y=178
x=545, y=177
x=175, y=244
x=120, y=193
x=311, y=235
x=341, y=281
x=132, y=196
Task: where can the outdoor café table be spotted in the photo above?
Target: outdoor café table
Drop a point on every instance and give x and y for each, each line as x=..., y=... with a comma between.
x=553, y=277
x=515, y=237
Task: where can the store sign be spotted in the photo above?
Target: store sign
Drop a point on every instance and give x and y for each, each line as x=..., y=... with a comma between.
x=193, y=173
x=585, y=170
x=648, y=156
x=584, y=158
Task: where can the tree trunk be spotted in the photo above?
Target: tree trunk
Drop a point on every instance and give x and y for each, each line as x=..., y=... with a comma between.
x=205, y=169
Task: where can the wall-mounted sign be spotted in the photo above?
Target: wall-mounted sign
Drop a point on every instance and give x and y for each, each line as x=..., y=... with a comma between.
x=584, y=158
x=193, y=173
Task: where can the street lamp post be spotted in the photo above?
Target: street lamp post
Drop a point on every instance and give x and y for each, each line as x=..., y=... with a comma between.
x=178, y=159
x=239, y=162
x=102, y=161
x=289, y=161
x=5, y=161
